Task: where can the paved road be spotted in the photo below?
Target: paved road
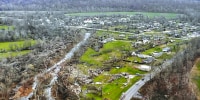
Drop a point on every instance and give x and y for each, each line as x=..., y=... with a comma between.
x=133, y=90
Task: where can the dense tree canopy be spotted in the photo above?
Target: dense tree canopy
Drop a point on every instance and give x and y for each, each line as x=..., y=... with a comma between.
x=101, y=5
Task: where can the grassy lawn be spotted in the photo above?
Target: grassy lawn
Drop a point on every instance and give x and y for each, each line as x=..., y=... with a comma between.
x=166, y=56
x=154, y=33
x=104, y=32
x=87, y=57
x=93, y=96
x=149, y=14
x=113, y=33
x=109, y=50
x=176, y=45
x=14, y=54
x=6, y=51
x=119, y=27
x=5, y=27
x=134, y=58
x=198, y=65
x=150, y=51
x=195, y=73
x=119, y=45
x=6, y=45
x=113, y=90
x=197, y=81
x=128, y=69
x=107, y=75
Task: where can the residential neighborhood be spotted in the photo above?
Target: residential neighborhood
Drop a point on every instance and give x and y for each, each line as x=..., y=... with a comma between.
x=99, y=50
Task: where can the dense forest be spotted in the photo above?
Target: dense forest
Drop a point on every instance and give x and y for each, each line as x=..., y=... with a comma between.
x=101, y=5
x=190, y=8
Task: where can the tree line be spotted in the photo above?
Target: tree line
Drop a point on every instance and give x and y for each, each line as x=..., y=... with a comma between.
x=100, y=5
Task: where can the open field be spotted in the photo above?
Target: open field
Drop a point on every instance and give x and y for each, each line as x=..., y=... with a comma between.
x=149, y=14
x=5, y=27
x=114, y=33
x=13, y=49
x=150, y=51
x=109, y=50
x=195, y=78
x=20, y=44
x=113, y=90
x=14, y=54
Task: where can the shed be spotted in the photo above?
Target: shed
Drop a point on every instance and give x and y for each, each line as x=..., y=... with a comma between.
x=166, y=49
x=144, y=67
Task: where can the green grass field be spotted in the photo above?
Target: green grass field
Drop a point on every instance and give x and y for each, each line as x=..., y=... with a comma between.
x=14, y=54
x=109, y=50
x=150, y=51
x=5, y=27
x=103, y=32
x=113, y=90
x=6, y=45
x=129, y=69
x=195, y=74
x=149, y=14
x=5, y=48
x=134, y=58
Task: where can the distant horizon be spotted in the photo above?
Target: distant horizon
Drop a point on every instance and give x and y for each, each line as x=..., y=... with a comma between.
x=96, y=5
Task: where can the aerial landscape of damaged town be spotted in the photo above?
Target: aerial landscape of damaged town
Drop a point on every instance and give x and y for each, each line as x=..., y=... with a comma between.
x=99, y=49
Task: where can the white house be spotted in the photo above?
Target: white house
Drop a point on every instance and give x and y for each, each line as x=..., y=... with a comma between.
x=145, y=41
x=157, y=54
x=88, y=21
x=167, y=49
x=134, y=54
x=144, y=67
x=108, y=40
x=143, y=56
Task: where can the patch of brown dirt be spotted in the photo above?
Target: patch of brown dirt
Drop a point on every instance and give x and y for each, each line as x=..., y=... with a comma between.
x=24, y=90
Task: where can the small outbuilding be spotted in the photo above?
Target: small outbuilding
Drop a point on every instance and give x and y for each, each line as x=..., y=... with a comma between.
x=144, y=67
x=166, y=49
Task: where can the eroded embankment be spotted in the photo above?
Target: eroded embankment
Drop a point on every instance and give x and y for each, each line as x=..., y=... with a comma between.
x=173, y=83
x=195, y=78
